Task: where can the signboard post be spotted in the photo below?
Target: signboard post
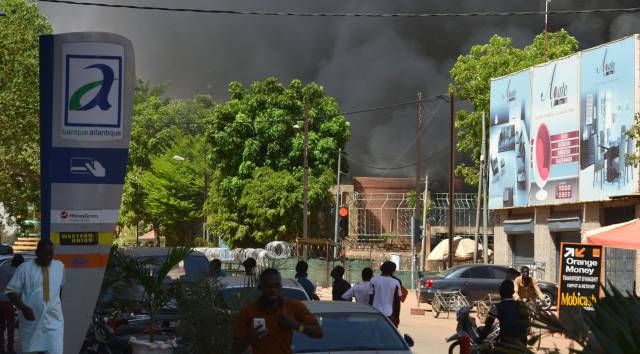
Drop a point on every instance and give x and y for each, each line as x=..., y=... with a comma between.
x=580, y=279
x=86, y=103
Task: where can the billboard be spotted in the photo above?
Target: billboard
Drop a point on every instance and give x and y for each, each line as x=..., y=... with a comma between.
x=607, y=93
x=555, y=147
x=509, y=147
x=575, y=118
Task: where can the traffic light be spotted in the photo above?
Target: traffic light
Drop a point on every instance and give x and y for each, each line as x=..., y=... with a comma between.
x=417, y=230
x=343, y=222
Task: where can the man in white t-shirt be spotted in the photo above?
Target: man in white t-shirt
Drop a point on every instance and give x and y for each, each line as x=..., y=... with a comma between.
x=385, y=292
x=361, y=291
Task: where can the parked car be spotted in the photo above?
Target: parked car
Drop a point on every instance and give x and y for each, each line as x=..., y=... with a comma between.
x=476, y=281
x=236, y=291
x=350, y=327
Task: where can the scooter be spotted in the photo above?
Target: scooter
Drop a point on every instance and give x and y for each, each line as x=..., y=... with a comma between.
x=465, y=340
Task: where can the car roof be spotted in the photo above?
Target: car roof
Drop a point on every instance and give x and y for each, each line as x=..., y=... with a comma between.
x=240, y=282
x=338, y=306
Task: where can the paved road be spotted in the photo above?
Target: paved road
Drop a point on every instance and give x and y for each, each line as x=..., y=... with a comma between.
x=429, y=333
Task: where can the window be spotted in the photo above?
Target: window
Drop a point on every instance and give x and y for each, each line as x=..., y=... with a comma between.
x=500, y=273
x=477, y=272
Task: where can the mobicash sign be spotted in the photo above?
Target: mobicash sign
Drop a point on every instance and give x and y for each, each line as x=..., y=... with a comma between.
x=86, y=89
x=580, y=279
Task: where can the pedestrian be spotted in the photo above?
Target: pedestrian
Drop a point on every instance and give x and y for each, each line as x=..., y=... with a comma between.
x=340, y=286
x=361, y=290
x=397, y=302
x=215, y=267
x=35, y=291
x=267, y=324
x=303, y=278
x=7, y=311
x=385, y=292
x=526, y=287
x=250, y=265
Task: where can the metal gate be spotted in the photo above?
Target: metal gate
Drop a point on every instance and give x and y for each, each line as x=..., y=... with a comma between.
x=522, y=251
x=620, y=269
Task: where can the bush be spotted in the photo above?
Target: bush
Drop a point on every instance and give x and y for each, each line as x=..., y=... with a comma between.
x=203, y=322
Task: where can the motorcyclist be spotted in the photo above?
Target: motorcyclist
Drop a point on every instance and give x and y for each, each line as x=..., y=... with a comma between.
x=514, y=321
x=526, y=287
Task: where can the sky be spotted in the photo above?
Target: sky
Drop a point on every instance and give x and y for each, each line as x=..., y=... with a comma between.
x=362, y=62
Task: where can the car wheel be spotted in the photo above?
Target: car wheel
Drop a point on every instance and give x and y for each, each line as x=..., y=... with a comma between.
x=547, y=301
x=454, y=348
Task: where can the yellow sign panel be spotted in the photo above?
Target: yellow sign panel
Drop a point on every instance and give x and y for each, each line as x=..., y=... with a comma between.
x=81, y=238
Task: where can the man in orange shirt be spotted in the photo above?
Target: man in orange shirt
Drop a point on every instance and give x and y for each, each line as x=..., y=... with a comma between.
x=267, y=324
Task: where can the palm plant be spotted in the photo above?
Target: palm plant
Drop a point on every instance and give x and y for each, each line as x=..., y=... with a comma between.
x=152, y=279
x=612, y=327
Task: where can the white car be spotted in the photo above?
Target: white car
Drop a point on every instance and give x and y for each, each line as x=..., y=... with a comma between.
x=350, y=327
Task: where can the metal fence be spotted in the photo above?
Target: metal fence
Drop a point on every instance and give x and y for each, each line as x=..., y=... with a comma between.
x=380, y=217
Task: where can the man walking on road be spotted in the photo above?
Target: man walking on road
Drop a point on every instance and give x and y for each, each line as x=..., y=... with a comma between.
x=361, y=290
x=385, y=293
x=340, y=286
x=267, y=324
x=35, y=291
x=7, y=312
x=303, y=278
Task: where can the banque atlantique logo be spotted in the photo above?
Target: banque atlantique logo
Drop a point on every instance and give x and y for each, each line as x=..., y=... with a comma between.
x=101, y=99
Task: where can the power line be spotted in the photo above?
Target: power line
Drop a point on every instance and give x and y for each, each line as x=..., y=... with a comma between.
x=427, y=159
x=329, y=14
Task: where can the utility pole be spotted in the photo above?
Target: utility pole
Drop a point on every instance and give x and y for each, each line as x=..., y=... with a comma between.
x=338, y=202
x=452, y=165
x=480, y=189
x=305, y=211
x=485, y=237
x=205, y=235
x=417, y=206
x=425, y=243
x=546, y=21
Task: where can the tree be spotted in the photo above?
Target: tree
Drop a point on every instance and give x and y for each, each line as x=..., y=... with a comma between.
x=174, y=189
x=634, y=133
x=157, y=124
x=472, y=73
x=19, y=101
x=257, y=158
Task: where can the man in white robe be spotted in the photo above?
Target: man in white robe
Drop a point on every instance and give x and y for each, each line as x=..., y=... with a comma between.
x=35, y=291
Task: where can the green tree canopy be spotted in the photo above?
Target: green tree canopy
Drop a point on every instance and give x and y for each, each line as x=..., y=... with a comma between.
x=257, y=158
x=472, y=74
x=19, y=102
x=174, y=189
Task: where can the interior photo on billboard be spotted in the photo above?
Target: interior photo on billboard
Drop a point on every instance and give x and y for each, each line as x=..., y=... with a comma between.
x=509, y=148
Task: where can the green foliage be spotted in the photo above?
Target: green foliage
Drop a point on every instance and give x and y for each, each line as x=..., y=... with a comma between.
x=151, y=278
x=472, y=74
x=174, y=190
x=634, y=133
x=162, y=128
x=204, y=325
x=19, y=101
x=257, y=158
x=612, y=327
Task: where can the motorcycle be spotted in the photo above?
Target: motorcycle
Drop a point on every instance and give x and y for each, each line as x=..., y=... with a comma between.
x=465, y=340
x=102, y=337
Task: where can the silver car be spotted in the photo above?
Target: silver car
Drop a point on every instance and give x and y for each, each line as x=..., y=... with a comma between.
x=350, y=327
x=237, y=291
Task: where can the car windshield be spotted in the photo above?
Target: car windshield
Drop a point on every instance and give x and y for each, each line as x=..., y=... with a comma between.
x=237, y=297
x=350, y=332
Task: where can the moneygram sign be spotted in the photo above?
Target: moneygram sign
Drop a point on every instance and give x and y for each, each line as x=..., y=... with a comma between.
x=92, y=89
x=580, y=279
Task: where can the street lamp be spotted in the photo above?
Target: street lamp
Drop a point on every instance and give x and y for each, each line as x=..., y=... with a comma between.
x=179, y=158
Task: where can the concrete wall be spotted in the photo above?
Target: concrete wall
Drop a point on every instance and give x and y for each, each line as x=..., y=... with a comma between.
x=592, y=217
